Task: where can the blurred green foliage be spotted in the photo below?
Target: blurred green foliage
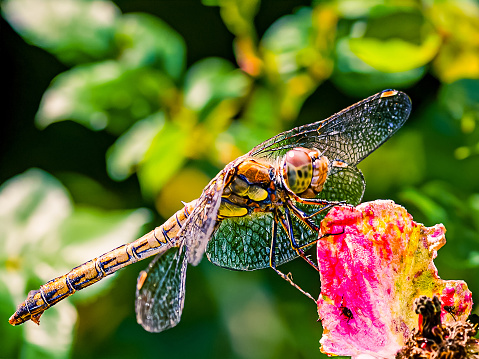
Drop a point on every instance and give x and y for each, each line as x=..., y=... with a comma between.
x=161, y=121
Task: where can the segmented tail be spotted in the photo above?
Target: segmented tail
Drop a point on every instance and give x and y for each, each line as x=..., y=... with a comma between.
x=157, y=241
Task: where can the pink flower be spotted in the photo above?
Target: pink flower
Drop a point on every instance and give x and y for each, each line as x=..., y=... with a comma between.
x=373, y=267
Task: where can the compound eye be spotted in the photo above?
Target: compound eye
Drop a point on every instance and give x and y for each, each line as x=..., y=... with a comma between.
x=298, y=170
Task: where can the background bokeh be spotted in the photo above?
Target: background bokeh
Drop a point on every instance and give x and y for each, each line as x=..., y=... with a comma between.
x=115, y=111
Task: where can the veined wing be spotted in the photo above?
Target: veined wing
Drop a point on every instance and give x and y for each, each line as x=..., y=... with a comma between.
x=346, y=185
x=160, y=292
x=243, y=243
x=161, y=288
x=200, y=225
x=350, y=135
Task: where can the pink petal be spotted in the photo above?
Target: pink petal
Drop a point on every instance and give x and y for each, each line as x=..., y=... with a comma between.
x=373, y=267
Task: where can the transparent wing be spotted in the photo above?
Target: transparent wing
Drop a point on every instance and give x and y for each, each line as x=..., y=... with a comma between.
x=350, y=135
x=199, y=226
x=160, y=292
x=161, y=288
x=344, y=184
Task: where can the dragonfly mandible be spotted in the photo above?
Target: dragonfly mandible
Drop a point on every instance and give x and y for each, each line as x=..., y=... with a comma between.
x=262, y=210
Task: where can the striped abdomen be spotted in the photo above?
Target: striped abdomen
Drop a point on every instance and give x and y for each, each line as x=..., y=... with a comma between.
x=157, y=241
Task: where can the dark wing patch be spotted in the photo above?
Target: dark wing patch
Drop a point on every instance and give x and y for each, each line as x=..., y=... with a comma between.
x=243, y=243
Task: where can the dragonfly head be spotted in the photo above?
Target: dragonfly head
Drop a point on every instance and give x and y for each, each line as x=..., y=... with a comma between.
x=305, y=171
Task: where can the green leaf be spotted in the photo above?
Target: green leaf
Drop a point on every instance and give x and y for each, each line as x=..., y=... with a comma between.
x=145, y=40
x=32, y=207
x=74, y=31
x=357, y=78
x=163, y=159
x=86, y=190
x=387, y=46
x=286, y=38
x=96, y=230
x=57, y=326
x=394, y=38
x=260, y=121
x=297, y=52
x=395, y=55
x=238, y=15
x=130, y=148
x=105, y=95
x=458, y=22
x=210, y=81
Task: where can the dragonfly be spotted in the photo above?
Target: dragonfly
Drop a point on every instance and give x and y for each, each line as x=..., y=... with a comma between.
x=262, y=210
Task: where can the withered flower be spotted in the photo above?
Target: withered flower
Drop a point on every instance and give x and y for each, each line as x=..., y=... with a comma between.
x=373, y=267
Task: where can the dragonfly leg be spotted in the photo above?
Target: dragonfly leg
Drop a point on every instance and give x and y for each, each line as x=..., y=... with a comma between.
x=303, y=217
x=306, y=219
x=318, y=201
x=272, y=263
x=325, y=205
x=288, y=227
x=325, y=208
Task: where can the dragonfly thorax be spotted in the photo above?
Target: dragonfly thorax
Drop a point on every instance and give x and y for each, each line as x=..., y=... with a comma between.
x=305, y=171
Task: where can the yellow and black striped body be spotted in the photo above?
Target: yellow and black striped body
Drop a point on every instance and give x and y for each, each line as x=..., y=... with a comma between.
x=157, y=241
